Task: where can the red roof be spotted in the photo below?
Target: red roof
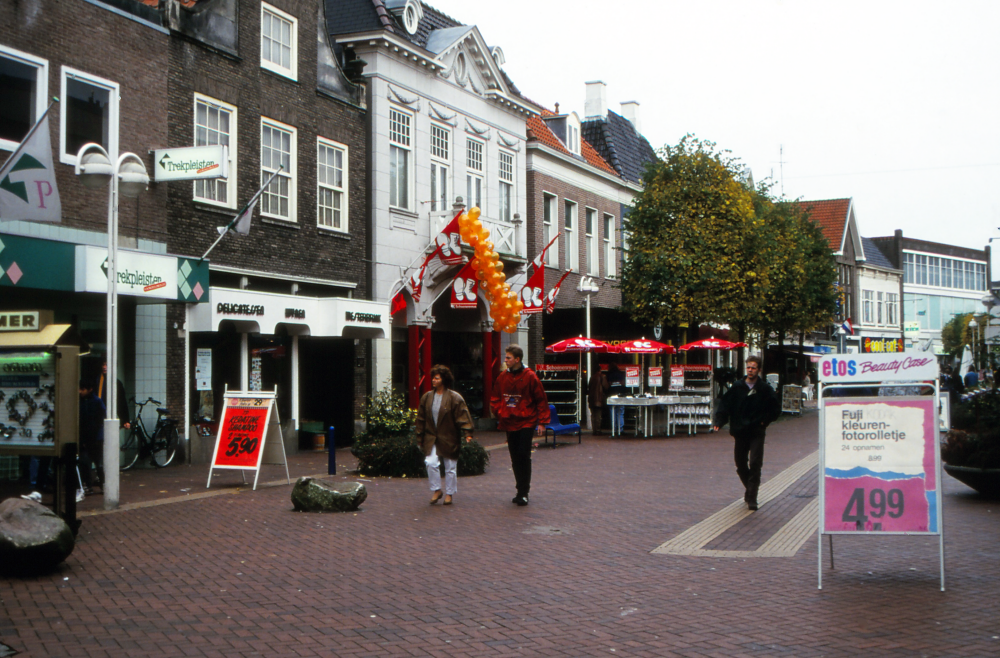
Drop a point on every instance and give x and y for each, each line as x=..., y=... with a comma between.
x=831, y=215
x=539, y=132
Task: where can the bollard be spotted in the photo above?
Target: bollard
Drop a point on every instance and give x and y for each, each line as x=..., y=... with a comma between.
x=332, y=447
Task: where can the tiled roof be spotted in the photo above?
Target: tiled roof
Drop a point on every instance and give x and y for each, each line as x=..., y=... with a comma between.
x=432, y=20
x=616, y=139
x=346, y=16
x=831, y=216
x=538, y=131
x=874, y=255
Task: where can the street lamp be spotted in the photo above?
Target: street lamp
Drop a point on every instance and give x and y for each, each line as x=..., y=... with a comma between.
x=128, y=177
x=588, y=288
x=973, y=325
x=841, y=337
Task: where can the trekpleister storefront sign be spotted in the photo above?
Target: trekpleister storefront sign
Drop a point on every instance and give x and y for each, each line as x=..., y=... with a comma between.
x=191, y=163
x=139, y=274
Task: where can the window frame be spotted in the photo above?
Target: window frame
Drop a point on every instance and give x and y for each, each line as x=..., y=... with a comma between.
x=231, y=181
x=291, y=72
x=610, y=270
x=113, y=110
x=41, y=88
x=590, y=231
x=323, y=142
x=475, y=177
x=571, y=226
x=548, y=227
x=292, y=173
x=506, y=185
x=407, y=149
x=440, y=166
x=867, y=306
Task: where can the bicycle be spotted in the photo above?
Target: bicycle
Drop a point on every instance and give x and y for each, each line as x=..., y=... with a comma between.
x=161, y=447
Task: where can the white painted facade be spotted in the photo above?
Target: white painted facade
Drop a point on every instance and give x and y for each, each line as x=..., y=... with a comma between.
x=879, y=303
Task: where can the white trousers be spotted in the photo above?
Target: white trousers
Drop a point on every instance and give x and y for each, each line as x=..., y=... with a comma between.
x=434, y=473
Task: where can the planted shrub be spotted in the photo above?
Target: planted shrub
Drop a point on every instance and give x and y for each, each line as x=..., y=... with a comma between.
x=387, y=446
x=472, y=459
x=974, y=438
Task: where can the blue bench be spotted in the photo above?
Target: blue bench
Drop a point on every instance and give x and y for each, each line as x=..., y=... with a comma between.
x=555, y=428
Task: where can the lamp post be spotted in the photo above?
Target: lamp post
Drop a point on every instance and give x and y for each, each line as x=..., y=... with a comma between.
x=588, y=288
x=973, y=325
x=127, y=176
x=841, y=337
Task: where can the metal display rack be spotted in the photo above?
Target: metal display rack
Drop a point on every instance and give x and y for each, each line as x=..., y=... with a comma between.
x=561, y=382
x=695, y=408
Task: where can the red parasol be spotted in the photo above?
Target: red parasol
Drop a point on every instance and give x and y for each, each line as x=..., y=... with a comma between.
x=580, y=345
x=643, y=346
x=710, y=344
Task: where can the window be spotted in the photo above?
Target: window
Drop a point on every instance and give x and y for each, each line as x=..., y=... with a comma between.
x=331, y=178
x=549, y=214
x=909, y=275
x=878, y=309
x=945, y=272
x=277, y=147
x=278, y=41
x=399, y=158
x=593, y=263
x=506, y=169
x=892, y=309
x=474, y=175
x=24, y=81
x=867, y=306
x=610, y=270
x=572, y=239
x=89, y=114
x=440, y=161
x=215, y=124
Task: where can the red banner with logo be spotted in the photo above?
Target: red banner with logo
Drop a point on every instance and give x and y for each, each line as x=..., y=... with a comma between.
x=464, y=288
x=531, y=293
x=450, y=242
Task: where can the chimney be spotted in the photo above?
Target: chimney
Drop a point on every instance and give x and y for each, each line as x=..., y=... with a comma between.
x=630, y=110
x=596, y=106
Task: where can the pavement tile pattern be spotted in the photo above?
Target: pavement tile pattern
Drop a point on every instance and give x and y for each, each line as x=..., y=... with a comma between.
x=572, y=574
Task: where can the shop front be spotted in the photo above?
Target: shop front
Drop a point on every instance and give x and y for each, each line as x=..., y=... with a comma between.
x=311, y=349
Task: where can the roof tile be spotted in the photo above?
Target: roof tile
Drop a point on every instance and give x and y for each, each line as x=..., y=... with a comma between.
x=831, y=216
x=539, y=131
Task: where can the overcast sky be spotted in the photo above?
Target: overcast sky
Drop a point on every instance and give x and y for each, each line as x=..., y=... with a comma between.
x=896, y=104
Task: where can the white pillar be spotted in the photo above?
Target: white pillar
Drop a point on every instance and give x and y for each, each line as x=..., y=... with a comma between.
x=381, y=363
x=186, y=424
x=112, y=445
x=295, y=380
x=244, y=362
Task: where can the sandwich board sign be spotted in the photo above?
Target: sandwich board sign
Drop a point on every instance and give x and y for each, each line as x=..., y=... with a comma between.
x=249, y=435
x=880, y=466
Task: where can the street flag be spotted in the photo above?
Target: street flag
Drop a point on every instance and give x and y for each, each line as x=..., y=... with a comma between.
x=398, y=303
x=28, y=180
x=550, y=300
x=450, y=242
x=540, y=258
x=531, y=293
x=416, y=282
x=464, y=288
x=848, y=327
x=241, y=223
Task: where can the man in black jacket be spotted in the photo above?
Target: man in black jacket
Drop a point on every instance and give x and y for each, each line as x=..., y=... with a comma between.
x=749, y=406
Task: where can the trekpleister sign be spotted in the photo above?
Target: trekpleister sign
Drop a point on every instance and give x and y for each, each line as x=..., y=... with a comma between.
x=249, y=434
x=191, y=163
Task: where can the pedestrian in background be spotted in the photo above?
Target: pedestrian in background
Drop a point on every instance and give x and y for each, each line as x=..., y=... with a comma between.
x=749, y=406
x=441, y=414
x=597, y=398
x=92, y=413
x=521, y=408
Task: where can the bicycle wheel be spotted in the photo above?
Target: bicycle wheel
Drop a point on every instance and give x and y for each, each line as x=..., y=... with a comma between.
x=164, y=446
x=129, y=450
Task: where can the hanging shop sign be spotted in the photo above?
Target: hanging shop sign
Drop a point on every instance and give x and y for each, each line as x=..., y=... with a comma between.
x=249, y=434
x=870, y=345
x=656, y=376
x=633, y=376
x=191, y=163
x=911, y=329
x=676, y=378
x=142, y=274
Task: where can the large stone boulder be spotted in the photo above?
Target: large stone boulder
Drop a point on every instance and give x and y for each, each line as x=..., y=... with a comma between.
x=32, y=538
x=312, y=495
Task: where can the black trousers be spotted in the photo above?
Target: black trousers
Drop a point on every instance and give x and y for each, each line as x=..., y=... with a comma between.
x=749, y=455
x=519, y=445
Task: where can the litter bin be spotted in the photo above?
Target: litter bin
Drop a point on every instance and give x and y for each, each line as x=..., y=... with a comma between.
x=331, y=446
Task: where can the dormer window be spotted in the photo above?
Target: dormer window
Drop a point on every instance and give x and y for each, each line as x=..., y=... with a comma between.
x=572, y=140
x=407, y=12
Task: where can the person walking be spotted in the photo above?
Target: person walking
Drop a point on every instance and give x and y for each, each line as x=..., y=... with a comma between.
x=440, y=415
x=597, y=398
x=91, y=429
x=749, y=406
x=521, y=408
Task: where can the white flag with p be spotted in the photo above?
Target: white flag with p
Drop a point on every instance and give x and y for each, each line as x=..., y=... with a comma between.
x=28, y=180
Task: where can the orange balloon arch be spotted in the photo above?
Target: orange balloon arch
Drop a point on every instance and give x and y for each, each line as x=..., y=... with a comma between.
x=505, y=307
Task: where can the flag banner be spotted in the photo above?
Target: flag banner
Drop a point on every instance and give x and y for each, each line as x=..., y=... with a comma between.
x=241, y=224
x=531, y=293
x=28, y=180
x=848, y=327
x=449, y=240
x=465, y=288
x=540, y=258
x=398, y=303
x=416, y=282
x=550, y=300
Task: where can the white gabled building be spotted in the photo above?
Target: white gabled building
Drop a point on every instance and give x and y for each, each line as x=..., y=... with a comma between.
x=446, y=128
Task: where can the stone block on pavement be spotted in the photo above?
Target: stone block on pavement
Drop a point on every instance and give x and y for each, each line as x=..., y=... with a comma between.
x=32, y=538
x=312, y=495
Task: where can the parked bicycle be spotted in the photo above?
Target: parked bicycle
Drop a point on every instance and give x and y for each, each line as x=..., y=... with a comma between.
x=160, y=447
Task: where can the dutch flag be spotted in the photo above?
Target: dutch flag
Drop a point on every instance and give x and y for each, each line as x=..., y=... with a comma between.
x=848, y=327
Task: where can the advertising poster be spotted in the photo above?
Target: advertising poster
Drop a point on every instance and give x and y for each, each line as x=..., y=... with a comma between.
x=676, y=378
x=203, y=370
x=655, y=376
x=241, y=432
x=27, y=396
x=879, y=468
x=633, y=376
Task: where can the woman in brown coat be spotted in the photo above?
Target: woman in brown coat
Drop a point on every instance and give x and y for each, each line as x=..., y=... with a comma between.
x=441, y=414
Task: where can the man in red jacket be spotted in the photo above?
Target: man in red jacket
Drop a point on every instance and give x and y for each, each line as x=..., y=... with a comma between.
x=521, y=409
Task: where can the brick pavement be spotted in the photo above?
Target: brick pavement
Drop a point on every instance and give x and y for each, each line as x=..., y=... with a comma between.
x=572, y=574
